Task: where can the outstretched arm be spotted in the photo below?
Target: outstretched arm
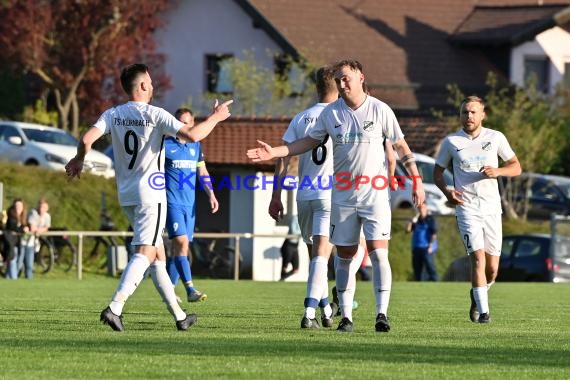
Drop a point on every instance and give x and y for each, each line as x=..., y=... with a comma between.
x=199, y=131
x=266, y=152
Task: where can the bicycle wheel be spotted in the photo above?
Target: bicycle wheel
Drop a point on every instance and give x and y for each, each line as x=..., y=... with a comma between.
x=66, y=254
x=45, y=256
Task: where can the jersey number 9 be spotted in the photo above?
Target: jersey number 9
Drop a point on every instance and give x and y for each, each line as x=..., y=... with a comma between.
x=131, y=147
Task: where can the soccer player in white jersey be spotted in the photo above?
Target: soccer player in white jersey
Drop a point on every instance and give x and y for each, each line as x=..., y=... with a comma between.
x=313, y=199
x=473, y=153
x=357, y=124
x=137, y=130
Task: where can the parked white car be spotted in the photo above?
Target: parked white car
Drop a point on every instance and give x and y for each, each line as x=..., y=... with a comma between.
x=35, y=144
x=436, y=202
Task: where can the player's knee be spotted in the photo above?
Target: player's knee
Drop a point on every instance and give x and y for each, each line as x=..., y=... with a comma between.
x=491, y=274
x=379, y=256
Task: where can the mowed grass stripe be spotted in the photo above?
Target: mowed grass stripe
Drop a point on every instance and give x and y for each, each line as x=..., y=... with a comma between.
x=50, y=329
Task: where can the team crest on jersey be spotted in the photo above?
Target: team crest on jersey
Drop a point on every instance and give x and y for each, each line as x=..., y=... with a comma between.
x=368, y=126
x=192, y=151
x=486, y=146
x=340, y=138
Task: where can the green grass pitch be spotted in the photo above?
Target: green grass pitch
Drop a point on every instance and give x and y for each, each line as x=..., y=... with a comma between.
x=50, y=329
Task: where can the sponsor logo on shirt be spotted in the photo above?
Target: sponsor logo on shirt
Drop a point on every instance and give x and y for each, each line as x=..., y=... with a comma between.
x=473, y=163
x=183, y=164
x=350, y=137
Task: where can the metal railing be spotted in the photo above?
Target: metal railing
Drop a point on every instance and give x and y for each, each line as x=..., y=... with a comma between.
x=235, y=236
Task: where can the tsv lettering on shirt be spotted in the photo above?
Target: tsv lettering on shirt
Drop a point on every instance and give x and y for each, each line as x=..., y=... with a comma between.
x=131, y=122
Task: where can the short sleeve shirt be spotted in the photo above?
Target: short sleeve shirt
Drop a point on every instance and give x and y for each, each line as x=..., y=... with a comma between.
x=181, y=168
x=467, y=157
x=315, y=176
x=137, y=130
x=358, y=149
x=38, y=220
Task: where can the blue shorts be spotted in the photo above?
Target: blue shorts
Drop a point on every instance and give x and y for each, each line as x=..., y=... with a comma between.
x=180, y=220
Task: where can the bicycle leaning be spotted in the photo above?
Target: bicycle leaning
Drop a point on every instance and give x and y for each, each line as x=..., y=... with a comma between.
x=55, y=250
x=213, y=258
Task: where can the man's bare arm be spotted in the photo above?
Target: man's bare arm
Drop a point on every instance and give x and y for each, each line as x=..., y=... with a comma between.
x=266, y=152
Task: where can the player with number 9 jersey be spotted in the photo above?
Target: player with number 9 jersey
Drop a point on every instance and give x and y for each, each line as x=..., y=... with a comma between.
x=137, y=130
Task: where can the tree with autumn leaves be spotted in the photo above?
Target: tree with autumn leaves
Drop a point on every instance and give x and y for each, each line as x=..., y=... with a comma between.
x=73, y=50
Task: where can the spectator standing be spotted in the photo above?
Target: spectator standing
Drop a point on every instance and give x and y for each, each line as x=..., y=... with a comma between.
x=424, y=244
x=39, y=221
x=290, y=250
x=14, y=227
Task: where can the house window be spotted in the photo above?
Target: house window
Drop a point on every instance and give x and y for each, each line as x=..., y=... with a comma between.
x=537, y=69
x=287, y=69
x=218, y=73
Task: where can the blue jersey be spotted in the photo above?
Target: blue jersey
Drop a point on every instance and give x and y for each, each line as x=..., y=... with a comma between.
x=181, y=166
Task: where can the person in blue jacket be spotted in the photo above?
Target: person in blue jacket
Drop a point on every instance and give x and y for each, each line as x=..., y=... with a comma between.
x=424, y=244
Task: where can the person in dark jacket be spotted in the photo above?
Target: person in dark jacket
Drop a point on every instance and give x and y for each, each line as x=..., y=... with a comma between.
x=13, y=230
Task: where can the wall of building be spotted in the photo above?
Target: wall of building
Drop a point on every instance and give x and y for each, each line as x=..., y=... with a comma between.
x=190, y=34
x=553, y=43
x=267, y=251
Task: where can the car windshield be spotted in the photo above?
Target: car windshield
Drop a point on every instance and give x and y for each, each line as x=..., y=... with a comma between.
x=565, y=188
x=51, y=137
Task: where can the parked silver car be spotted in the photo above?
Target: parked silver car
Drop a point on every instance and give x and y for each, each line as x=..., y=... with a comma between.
x=436, y=201
x=35, y=144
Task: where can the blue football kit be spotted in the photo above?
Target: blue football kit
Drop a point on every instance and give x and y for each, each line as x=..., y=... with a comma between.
x=182, y=161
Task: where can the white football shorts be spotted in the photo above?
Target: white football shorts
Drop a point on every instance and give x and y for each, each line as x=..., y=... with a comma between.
x=148, y=223
x=375, y=221
x=481, y=232
x=314, y=218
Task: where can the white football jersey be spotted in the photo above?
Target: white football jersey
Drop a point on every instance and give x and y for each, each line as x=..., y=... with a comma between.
x=315, y=166
x=467, y=157
x=358, y=149
x=137, y=131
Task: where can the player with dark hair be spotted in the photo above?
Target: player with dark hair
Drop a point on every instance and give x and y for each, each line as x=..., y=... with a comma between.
x=137, y=131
